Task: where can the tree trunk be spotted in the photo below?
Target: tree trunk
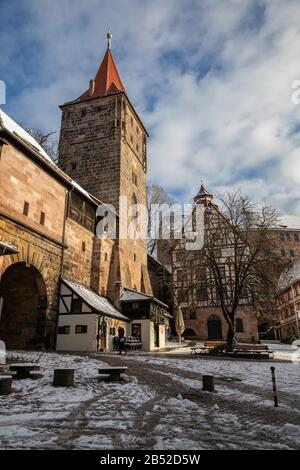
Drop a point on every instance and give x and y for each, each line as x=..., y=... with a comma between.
x=230, y=338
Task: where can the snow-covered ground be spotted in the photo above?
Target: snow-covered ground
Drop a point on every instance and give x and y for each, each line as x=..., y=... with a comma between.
x=159, y=405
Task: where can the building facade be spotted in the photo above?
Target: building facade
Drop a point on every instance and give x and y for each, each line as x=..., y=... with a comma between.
x=194, y=290
x=288, y=323
x=62, y=288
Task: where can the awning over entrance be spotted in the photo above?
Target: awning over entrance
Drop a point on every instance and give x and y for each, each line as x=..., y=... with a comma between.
x=7, y=248
x=96, y=302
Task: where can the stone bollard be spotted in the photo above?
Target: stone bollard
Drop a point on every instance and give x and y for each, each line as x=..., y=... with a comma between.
x=5, y=384
x=208, y=383
x=63, y=377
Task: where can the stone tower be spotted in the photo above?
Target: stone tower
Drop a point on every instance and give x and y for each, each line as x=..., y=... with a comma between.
x=103, y=147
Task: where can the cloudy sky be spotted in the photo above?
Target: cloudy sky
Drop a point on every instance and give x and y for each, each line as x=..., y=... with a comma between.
x=211, y=80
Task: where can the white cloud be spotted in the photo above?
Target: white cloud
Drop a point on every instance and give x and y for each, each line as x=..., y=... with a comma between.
x=211, y=80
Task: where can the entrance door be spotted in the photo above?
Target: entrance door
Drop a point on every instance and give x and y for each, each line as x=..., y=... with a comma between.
x=23, y=316
x=214, y=328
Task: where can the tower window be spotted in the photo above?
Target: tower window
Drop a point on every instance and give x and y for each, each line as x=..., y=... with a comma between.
x=131, y=121
x=83, y=246
x=131, y=138
x=137, y=130
x=134, y=178
x=83, y=113
x=26, y=208
x=134, y=257
x=105, y=257
x=73, y=165
x=42, y=218
x=137, y=147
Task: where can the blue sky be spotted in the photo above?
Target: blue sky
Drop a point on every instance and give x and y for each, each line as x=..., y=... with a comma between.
x=211, y=80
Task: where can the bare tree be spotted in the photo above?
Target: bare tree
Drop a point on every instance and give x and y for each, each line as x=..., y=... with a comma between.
x=50, y=146
x=155, y=195
x=238, y=263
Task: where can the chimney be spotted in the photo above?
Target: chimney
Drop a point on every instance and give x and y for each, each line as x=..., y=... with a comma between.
x=92, y=87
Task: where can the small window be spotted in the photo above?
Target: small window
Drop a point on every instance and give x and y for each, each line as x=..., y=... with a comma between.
x=131, y=121
x=26, y=208
x=292, y=254
x=112, y=331
x=83, y=247
x=282, y=252
x=281, y=236
x=64, y=330
x=80, y=329
x=193, y=315
x=42, y=218
x=239, y=327
x=83, y=113
x=296, y=237
x=76, y=306
x=99, y=109
x=118, y=123
x=137, y=130
x=105, y=257
x=131, y=138
x=287, y=236
x=134, y=178
x=137, y=147
x=73, y=165
x=134, y=257
x=98, y=128
x=135, y=305
x=82, y=131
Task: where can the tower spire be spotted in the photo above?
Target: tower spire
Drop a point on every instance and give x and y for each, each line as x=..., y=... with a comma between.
x=109, y=38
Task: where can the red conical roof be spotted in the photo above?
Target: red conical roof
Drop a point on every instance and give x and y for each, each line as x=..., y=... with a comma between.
x=107, y=79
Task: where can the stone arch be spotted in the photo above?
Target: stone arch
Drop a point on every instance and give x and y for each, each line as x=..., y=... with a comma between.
x=24, y=306
x=190, y=333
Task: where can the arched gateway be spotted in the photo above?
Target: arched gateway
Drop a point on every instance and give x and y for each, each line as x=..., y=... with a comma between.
x=24, y=306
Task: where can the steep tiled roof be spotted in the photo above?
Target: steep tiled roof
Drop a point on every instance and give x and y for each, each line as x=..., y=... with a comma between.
x=97, y=302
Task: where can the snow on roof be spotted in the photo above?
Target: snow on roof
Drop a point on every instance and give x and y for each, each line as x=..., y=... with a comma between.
x=287, y=279
x=133, y=295
x=97, y=302
x=9, y=124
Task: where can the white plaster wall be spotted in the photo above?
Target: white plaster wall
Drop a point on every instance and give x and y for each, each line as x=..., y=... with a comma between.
x=78, y=342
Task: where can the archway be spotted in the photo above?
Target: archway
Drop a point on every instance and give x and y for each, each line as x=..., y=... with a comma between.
x=214, y=327
x=24, y=306
x=189, y=333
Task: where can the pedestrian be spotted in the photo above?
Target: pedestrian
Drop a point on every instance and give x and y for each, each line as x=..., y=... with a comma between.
x=122, y=346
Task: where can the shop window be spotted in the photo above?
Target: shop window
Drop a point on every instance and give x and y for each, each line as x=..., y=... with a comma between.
x=64, y=330
x=80, y=329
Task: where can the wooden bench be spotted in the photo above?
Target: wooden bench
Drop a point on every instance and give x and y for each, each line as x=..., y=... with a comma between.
x=113, y=372
x=23, y=370
x=261, y=350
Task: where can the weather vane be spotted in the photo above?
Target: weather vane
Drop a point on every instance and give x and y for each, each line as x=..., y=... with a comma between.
x=109, y=38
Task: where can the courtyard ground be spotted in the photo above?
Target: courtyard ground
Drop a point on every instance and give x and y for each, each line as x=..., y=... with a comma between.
x=159, y=405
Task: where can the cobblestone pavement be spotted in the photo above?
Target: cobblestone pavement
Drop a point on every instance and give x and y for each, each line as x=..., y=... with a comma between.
x=158, y=405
